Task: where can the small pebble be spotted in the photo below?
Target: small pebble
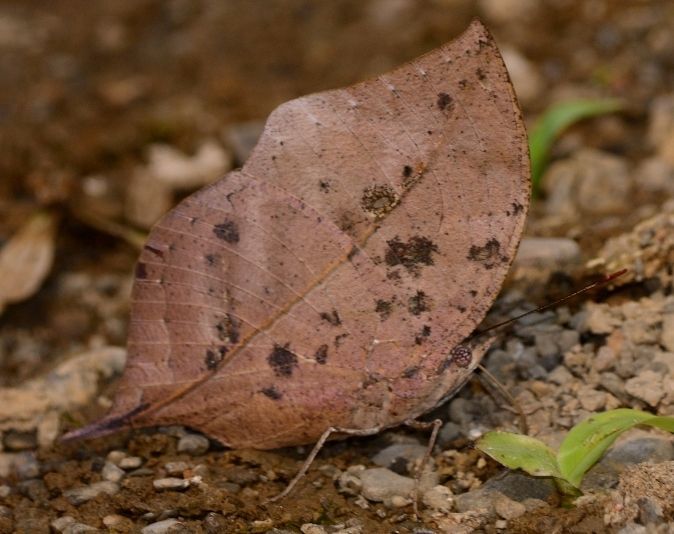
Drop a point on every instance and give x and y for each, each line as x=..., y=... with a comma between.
x=176, y=468
x=112, y=473
x=170, y=483
x=4, y=491
x=507, y=508
x=193, y=444
x=116, y=456
x=79, y=528
x=81, y=495
x=60, y=523
x=381, y=484
x=116, y=521
x=501, y=524
x=167, y=526
x=310, y=528
x=130, y=462
x=439, y=498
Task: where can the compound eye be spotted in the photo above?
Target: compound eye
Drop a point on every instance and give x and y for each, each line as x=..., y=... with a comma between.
x=461, y=355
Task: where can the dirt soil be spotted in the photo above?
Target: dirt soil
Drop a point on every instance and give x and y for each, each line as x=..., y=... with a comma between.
x=88, y=88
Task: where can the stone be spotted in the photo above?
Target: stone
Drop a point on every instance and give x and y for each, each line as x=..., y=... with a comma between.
x=448, y=434
x=646, y=386
x=634, y=448
x=18, y=441
x=117, y=522
x=116, y=457
x=667, y=335
x=311, y=528
x=5, y=491
x=176, y=468
x=130, y=462
x=560, y=375
x=167, y=526
x=111, y=472
x=661, y=127
x=507, y=508
x=547, y=253
x=193, y=444
x=591, y=399
x=23, y=464
x=81, y=495
x=590, y=181
x=170, y=483
x=526, y=79
x=60, y=523
x=519, y=487
x=349, y=481
x=476, y=500
x=79, y=528
x=439, y=498
x=171, y=167
x=397, y=457
x=35, y=405
x=379, y=484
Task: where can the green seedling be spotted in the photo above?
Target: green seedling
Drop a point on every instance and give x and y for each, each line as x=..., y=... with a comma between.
x=583, y=446
x=554, y=121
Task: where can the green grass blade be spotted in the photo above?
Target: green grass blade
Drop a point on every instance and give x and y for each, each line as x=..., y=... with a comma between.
x=586, y=442
x=516, y=451
x=554, y=121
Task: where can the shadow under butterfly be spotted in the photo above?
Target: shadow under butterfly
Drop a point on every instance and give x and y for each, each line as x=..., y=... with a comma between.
x=331, y=285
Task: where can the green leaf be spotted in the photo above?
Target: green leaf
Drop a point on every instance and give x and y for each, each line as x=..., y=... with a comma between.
x=516, y=451
x=554, y=121
x=586, y=442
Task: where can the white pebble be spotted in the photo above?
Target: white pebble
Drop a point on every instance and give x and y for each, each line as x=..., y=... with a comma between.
x=170, y=483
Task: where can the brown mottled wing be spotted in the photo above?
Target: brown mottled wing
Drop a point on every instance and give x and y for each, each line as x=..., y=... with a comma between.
x=325, y=283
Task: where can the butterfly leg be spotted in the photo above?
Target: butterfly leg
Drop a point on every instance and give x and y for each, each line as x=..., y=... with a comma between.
x=421, y=425
x=314, y=452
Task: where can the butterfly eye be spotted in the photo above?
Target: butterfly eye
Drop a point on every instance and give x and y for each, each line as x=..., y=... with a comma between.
x=461, y=355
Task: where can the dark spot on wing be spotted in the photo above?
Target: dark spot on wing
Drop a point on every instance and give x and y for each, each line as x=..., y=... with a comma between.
x=419, y=303
x=407, y=171
x=331, y=318
x=213, y=358
x=444, y=101
x=211, y=259
x=411, y=372
x=489, y=254
x=421, y=336
x=228, y=329
x=227, y=231
x=472, y=292
x=141, y=271
x=321, y=355
x=411, y=254
x=340, y=339
x=282, y=360
x=379, y=200
x=272, y=393
x=480, y=74
x=383, y=308
x=352, y=253
x=324, y=186
x=517, y=207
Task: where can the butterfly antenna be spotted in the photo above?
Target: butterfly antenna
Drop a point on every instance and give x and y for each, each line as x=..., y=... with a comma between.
x=607, y=279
